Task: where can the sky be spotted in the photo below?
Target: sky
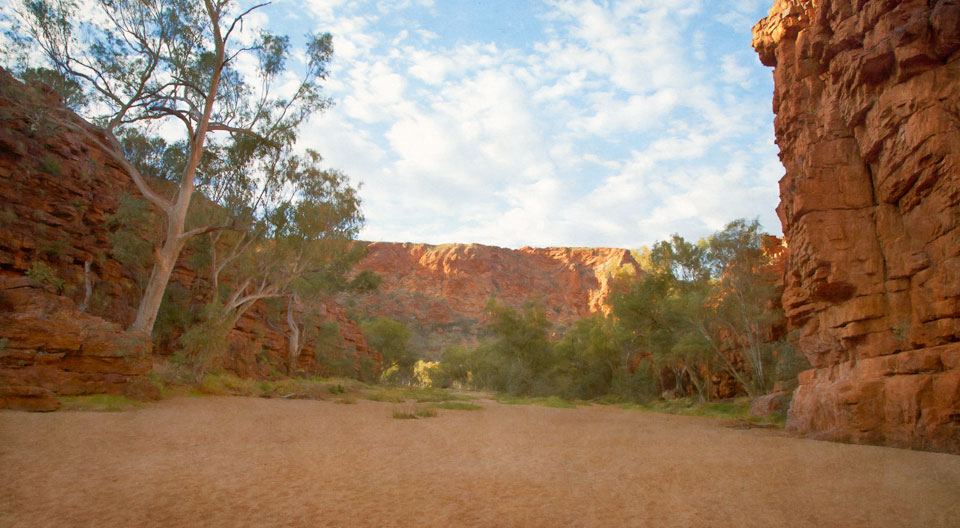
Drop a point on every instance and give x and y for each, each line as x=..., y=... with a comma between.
x=515, y=123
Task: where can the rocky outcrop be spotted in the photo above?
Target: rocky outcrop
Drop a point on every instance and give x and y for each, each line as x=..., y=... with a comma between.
x=868, y=124
x=58, y=192
x=48, y=343
x=34, y=399
x=442, y=291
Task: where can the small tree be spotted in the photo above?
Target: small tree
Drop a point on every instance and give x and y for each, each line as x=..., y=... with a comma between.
x=146, y=62
x=392, y=340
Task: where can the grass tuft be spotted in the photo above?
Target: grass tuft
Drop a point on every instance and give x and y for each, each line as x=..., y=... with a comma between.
x=426, y=412
x=98, y=403
x=411, y=412
x=418, y=394
x=404, y=413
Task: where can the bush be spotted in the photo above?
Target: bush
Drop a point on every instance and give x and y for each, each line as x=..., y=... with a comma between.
x=41, y=273
x=203, y=343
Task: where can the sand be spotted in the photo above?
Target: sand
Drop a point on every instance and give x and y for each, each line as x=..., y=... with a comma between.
x=234, y=462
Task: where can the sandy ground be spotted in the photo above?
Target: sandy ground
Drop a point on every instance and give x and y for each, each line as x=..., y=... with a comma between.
x=236, y=462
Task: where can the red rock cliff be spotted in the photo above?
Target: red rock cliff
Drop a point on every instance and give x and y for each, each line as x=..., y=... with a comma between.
x=441, y=291
x=867, y=105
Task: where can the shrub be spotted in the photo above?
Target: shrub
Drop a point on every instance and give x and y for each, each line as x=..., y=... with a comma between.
x=41, y=273
x=51, y=165
x=426, y=412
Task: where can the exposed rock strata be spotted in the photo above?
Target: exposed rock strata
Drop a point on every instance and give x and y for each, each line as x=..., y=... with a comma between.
x=868, y=124
x=442, y=291
x=22, y=398
x=48, y=343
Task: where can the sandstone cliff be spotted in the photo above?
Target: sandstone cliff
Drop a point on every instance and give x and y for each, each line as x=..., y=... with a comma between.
x=867, y=104
x=441, y=291
x=57, y=191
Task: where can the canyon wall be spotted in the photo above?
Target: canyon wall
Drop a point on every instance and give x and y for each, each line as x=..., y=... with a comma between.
x=440, y=292
x=58, y=191
x=867, y=104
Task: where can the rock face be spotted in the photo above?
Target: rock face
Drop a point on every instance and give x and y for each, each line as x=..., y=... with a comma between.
x=48, y=343
x=867, y=105
x=58, y=191
x=441, y=291
x=28, y=399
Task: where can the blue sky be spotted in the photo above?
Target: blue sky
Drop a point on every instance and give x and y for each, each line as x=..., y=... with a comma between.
x=544, y=123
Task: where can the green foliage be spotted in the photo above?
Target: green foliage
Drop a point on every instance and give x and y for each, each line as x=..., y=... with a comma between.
x=543, y=401
x=55, y=249
x=204, y=342
x=153, y=157
x=365, y=281
x=452, y=370
x=51, y=165
x=392, y=340
x=176, y=313
x=133, y=234
x=134, y=66
x=519, y=357
x=69, y=90
x=418, y=394
x=98, y=403
x=41, y=273
x=705, y=307
x=699, y=308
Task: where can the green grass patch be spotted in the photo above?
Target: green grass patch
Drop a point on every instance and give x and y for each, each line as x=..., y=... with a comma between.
x=98, y=403
x=225, y=384
x=385, y=393
x=458, y=406
x=228, y=385
x=544, y=401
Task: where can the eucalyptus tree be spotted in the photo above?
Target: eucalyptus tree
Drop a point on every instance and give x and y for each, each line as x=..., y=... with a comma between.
x=147, y=65
x=291, y=233
x=705, y=306
x=745, y=306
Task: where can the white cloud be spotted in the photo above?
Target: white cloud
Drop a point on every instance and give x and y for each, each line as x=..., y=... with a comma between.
x=619, y=125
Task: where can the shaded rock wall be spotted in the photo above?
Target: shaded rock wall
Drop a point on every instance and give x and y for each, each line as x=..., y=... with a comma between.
x=441, y=291
x=868, y=124
x=48, y=343
x=57, y=191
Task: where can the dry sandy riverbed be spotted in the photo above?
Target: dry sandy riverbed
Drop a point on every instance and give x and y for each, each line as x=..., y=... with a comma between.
x=233, y=462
